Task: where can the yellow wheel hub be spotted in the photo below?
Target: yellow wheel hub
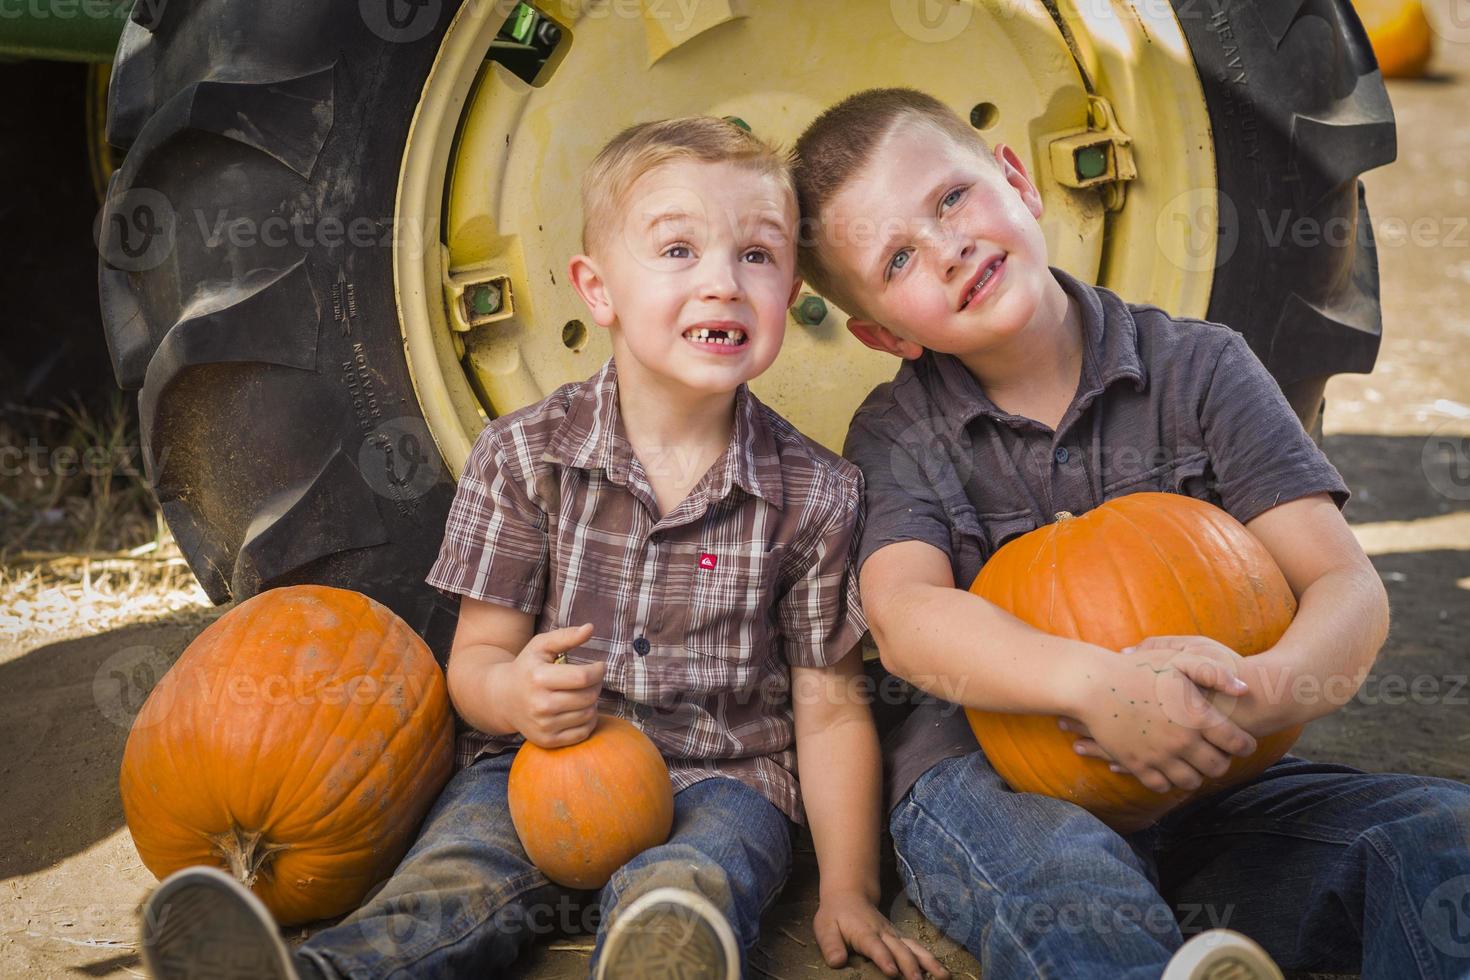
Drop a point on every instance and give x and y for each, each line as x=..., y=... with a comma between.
x=1109, y=117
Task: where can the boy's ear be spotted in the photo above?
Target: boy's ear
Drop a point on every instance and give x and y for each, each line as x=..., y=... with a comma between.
x=795, y=292
x=879, y=337
x=1015, y=174
x=589, y=284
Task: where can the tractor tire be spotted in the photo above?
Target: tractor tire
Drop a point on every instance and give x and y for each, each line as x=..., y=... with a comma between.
x=1297, y=110
x=280, y=426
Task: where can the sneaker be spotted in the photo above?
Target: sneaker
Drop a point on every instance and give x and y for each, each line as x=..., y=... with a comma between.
x=1221, y=954
x=670, y=933
x=201, y=922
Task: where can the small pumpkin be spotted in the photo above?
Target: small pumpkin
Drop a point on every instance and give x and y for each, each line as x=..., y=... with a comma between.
x=297, y=742
x=1400, y=35
x=582, y=811
x=1146, y=564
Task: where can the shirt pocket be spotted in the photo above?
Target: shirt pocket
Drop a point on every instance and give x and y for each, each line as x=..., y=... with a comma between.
x=729, y=599
x=1194, y=477
x=975, y=537
x=1002, y=529
x=1189, y=475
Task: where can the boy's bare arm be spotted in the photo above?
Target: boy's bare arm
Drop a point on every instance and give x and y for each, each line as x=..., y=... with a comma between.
x=1341, y=620
x=841, y=777
x=502, y=678
x=962, y=648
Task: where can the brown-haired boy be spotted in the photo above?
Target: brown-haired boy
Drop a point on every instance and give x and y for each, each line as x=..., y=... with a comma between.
x=689, y=552
x=1025, y=392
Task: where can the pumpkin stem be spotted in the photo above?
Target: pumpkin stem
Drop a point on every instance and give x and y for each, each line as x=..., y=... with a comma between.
x=1064, y=515
x=245, y=852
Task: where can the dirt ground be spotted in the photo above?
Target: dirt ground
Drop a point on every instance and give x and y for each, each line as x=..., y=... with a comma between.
x=71, y=881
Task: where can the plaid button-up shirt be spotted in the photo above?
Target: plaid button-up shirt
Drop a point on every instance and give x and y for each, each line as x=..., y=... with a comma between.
x=698, y=613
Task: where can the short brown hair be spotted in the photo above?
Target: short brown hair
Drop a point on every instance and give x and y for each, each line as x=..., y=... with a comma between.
x=641, y=148
x=838, y=144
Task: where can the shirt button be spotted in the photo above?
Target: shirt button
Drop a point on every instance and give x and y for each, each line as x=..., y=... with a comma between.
x=1061, y=454
x=642, y=711
x=640, y=645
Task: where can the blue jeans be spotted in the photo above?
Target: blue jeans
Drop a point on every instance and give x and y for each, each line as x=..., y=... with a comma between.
x=1329, y=868
x=465, y=900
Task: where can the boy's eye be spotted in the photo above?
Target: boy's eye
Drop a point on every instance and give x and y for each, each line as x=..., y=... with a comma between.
x=952, y=198
x=759, y=255
x=678, y=251
x=899, y=260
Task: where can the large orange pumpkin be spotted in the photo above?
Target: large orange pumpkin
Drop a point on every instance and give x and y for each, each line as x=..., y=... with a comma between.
x=1147, y=564
x=583, y=811
x=297, y=743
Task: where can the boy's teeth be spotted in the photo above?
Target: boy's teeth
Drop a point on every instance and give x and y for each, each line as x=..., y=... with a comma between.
x=984, y=278
x=731, y=338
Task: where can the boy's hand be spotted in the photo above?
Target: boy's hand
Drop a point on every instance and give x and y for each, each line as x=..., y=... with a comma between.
x=1152, y=716
x=552, y=704
x=849, y=919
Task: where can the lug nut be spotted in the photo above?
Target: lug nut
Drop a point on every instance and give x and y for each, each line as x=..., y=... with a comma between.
x=810, y=312
x=485, y=299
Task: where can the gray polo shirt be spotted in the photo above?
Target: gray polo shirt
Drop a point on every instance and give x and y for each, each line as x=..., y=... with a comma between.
x=1164, y=403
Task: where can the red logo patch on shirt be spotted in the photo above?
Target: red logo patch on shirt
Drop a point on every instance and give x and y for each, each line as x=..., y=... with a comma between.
x=707, y=560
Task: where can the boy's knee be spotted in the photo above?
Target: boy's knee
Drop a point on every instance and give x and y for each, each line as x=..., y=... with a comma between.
x=1428, y=820
x=673, y=866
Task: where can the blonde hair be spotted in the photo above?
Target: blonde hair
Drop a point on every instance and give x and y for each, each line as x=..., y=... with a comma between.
x=644, y=147
x=836, y=147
